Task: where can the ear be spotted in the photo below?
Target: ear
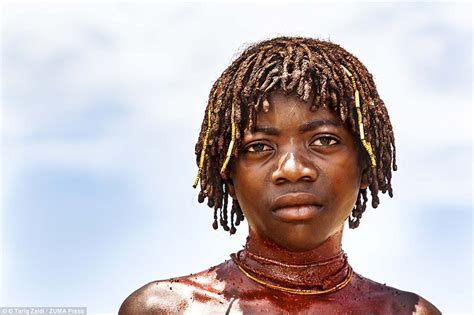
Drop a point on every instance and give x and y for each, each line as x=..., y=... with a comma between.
x=364, y=180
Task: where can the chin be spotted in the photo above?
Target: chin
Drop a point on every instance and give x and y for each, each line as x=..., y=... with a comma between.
x=300, y=238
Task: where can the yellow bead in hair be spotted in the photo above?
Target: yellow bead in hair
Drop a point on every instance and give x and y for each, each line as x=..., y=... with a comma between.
x=365, y=143
x=203, y=151
x=232, y=141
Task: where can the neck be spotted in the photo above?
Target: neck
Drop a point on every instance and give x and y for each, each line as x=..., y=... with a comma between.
x=267, y=248
x=322, y=268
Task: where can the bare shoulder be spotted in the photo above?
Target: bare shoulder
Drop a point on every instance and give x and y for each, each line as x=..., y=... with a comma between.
x=423, y=307
x=175, y=295
x=413, y=303
x=392, y=300
x=153, y=298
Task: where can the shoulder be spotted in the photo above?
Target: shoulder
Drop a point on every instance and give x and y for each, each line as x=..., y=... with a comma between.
x=411, y=303
x=391, y=300
x=424, y=307
x=175, y=295
x=152, y=298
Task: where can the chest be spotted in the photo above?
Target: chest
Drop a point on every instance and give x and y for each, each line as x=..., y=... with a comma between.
x=284, y=305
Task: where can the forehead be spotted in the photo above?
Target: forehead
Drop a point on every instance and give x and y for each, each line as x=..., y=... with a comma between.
x=290, y=112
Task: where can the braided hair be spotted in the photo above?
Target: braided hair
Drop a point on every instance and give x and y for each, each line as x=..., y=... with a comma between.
x=306, y=67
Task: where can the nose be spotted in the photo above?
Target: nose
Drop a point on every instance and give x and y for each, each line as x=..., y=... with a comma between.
x=293, y=168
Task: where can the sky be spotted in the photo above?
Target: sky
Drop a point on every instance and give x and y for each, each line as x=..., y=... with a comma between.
x=101, y=105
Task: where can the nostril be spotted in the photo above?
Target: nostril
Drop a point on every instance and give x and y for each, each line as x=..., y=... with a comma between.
x=307, y=178
x=280, y=180
x=293, y=168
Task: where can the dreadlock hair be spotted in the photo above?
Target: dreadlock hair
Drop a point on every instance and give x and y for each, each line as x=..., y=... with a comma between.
x=305, y=67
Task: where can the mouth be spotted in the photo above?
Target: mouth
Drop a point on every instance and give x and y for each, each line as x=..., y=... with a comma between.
x=296, y=207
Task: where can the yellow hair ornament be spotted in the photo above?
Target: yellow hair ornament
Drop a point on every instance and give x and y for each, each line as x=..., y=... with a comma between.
x=203, y=151
x=365, y=143
x=231, y=144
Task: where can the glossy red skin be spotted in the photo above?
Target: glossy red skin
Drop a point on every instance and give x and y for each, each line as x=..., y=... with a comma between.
x=333, y=175
x=223, y=289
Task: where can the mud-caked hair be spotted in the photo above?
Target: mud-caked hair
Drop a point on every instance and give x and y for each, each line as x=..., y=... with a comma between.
x=318, y=72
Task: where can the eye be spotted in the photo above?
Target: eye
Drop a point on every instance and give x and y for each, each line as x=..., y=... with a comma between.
x=325, y=141
x=258, y=148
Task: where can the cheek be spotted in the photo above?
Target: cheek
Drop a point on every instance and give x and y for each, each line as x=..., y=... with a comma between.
x=251, y=191
x=248, y=178
x=245, y=186
x=346, y=182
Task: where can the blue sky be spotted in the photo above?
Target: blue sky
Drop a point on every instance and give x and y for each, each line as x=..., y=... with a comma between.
x=101, y=106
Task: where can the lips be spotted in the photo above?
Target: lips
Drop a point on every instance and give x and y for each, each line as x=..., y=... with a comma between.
x=296, y=207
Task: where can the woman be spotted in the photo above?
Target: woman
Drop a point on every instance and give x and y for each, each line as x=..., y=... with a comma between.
x=295, y=133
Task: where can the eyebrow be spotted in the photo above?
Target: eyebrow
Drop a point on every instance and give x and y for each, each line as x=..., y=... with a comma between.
x=313, y=124
x=307, y=126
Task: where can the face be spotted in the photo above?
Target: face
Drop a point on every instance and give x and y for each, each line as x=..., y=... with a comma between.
x=297, y=175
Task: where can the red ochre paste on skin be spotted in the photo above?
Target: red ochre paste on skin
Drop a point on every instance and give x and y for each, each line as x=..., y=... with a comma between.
x=199, y=297
x=224, y=289
x=254, y=297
